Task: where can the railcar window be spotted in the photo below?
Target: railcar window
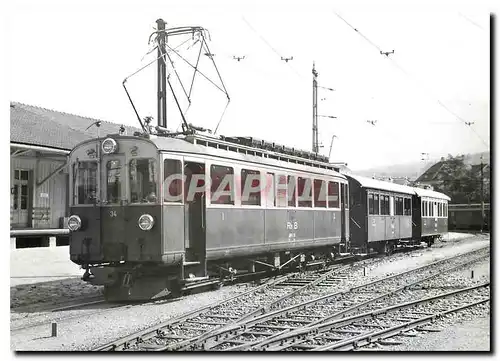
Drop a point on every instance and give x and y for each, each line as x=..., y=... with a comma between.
x=345, y=195
x=143, y=177
x=86, y=182
x=250, y=187
x=370, y=203
x=376, y=203
x=292, y=191
x=446, y=209
x=407, y=206
x=113, y=181
x=333, y=195
x=281, y=187
x=384, y=205
x=221, y=175
x=270, y=190
x=172, y=180
x=304, y=187
x=319, y=193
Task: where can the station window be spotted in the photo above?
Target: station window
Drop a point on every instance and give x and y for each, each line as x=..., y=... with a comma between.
x=250, y=187
x=407, y=206
x=376, y=204
x=319, y=193
x=172, y=180
x=333, y=195
x=113, y=181
x=85, y=174
x=270, y=190
x=304, y=188
x=292, y=191
x=221, y=175
x=281, y=187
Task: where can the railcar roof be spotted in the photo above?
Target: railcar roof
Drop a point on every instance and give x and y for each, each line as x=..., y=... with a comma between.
x=366, y=182
x=431, y=194
x=180, y=145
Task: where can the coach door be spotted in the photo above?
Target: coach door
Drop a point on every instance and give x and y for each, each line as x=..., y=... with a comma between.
x=343, y=219
x=195, y=218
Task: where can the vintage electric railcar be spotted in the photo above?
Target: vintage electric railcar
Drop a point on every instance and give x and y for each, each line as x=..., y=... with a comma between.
x=139, y=243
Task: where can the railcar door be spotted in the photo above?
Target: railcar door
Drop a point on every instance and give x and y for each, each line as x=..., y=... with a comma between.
x=343, y=218
x=195, y=217
x=113, y=217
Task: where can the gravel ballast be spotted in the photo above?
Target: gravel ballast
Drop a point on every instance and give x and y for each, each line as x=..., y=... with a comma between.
x=88, y=332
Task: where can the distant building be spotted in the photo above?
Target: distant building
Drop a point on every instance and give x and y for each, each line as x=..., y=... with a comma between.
x=40, y=140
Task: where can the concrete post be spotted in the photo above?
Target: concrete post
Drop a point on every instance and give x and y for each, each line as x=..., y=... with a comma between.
x=12, y=242
x=52, y=241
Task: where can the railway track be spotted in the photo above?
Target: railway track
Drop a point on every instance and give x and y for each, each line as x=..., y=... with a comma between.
x=259, y=300
x=200, y=328
x=275, y=327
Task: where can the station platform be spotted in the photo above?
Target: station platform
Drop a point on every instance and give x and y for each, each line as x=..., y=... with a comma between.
x=41, y=264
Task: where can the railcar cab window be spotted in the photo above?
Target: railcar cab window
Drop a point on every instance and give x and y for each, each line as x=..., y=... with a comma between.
x=113, y=181
x=333, y=195
x=304, y=187
x=172, y=181
x=221, y=186
x=143, y=180
x=407, y=207
x=85, y=176
x=319, y=193
x=250, y=187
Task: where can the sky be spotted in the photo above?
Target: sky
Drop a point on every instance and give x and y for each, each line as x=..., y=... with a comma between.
x=73, y=56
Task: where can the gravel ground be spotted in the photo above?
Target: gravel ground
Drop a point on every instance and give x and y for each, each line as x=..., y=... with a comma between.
x=97, y=329
x=470, y=334
x=79, y=334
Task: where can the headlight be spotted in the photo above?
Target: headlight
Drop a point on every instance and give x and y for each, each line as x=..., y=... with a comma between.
x=146, y=222
x=74, y=223
x=109, y=146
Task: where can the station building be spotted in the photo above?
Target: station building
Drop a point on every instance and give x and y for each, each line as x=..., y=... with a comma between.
x=40, y=140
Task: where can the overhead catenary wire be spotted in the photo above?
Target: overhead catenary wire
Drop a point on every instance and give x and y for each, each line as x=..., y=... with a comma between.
x=456, y=116
x=272, y=48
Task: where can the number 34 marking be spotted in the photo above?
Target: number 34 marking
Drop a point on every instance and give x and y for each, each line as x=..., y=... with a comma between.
x=112, y=214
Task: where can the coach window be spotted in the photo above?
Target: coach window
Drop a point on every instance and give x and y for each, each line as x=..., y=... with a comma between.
x=113, y=181
x=424, y=209
x=143, y=180
x=304, y=188
x=407, y=206
x=281, y=186
x=221, y=175
x=250, y=187
x=384, y=205
x=446, y=209
x=376, y=203
x=172, y=180
x=333, y=195
x=399, y=206
x=292, y=191
x=85, y=174
x=370, y=203
x=319, y=193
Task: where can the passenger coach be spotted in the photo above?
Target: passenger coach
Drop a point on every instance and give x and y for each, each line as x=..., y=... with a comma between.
x=381, y=214
x=430, y=215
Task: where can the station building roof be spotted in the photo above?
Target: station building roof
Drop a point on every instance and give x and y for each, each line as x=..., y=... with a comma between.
x=32, y=125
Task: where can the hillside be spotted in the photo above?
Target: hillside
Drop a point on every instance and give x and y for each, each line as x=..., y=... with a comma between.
x=413, y=170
